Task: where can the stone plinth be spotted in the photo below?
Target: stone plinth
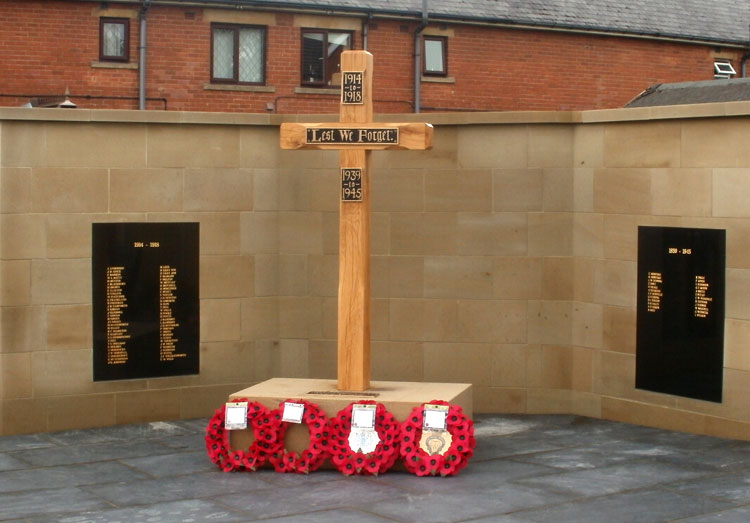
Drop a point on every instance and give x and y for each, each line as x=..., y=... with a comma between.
x=398, y=397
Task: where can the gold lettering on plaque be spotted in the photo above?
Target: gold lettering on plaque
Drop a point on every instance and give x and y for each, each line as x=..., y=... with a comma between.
x=167, y=322
x=701, y=300
x=351, y=185
x=351, y=135
x=116, y=328
x=352, y=87
x=654, y=291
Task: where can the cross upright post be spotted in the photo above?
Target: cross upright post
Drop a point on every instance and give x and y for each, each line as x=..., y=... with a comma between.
x=355, y=135
x=354, y=240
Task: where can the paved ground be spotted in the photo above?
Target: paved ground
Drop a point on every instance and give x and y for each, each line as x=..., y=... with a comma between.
x=526, y=468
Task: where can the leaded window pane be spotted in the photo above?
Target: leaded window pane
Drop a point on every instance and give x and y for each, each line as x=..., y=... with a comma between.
x=223, y=54
x=251, y=55
x=113, y=35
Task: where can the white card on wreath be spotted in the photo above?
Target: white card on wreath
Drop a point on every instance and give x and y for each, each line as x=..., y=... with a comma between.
x=293, y=412
x=363, y=416
x=235, y=415
x=363, y=440
x=435, y=417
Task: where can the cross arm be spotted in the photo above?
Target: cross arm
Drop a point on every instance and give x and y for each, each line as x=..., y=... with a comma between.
x=372, y=136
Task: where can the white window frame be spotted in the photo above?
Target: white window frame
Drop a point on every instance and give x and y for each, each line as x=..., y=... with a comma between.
x=443, y=40
x=723, y=69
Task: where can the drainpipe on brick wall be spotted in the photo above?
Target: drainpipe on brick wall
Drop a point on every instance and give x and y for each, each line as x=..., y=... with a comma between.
x=418, y=59
x=142, y=58
x=366, y=30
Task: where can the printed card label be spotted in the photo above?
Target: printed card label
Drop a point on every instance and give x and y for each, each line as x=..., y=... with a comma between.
x=435, y=442
x=363, y=416
x=235, y=415
x=293, y=412
x=435, y=417
x=363, y=440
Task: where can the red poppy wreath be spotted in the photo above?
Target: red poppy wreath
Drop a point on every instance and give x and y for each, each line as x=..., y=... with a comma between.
x=446, y=455
x=315, y=454
x=371, y=457
x=265, y=444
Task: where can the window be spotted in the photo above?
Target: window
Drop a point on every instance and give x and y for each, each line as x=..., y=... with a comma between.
x=435, y=62
x=321, y=54
x=723, y=69
x=114, y=39
x=237, y=54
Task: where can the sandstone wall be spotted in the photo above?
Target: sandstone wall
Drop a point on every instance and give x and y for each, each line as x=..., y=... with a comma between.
x=504, y=257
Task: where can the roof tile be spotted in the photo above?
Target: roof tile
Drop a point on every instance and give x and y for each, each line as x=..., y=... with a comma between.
x=715, y=20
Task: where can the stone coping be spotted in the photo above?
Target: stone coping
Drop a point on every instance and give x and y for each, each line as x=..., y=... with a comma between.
x=708, y=110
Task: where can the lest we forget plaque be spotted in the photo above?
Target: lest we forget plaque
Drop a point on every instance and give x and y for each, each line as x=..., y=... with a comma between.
x=145, y=300
x=680, y=311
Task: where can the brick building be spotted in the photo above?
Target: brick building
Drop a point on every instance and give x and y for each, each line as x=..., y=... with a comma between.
x=281, y=56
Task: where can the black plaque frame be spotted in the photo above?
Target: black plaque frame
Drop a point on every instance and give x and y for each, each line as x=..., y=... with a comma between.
x=680, y=311
x=352, y=88
x=155, y=266
x=351, y=185
x=352, y=135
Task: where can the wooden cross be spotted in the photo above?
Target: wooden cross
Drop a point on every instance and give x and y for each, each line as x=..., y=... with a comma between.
x=355, y=135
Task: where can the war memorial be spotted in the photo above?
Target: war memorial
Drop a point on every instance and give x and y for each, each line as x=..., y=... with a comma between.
x=171, y=266
x=576, y=262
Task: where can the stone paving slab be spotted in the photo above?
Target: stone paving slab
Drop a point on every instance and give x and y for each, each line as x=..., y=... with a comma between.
x=643, y=506
x=88, y=453
x=25, y=442
x=335, y=515
x=10, y=463
x=161, y=465
x=53, y=502
x=526, y=469
x=66, y=475
x=206, y=485
x=732, y=487
x=340, y=493
x=736, y=515
x=192, y=510
x=466, y=504
x=613, y=478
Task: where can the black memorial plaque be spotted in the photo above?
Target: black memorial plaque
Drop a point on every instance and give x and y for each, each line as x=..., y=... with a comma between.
x=351, y=185
x=351, y=135
x=352, y=88
x=680, y=311
x=145, y=300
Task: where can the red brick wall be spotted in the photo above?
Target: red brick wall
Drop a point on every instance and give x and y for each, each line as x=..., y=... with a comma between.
x=513, y=69
x=46, y=46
